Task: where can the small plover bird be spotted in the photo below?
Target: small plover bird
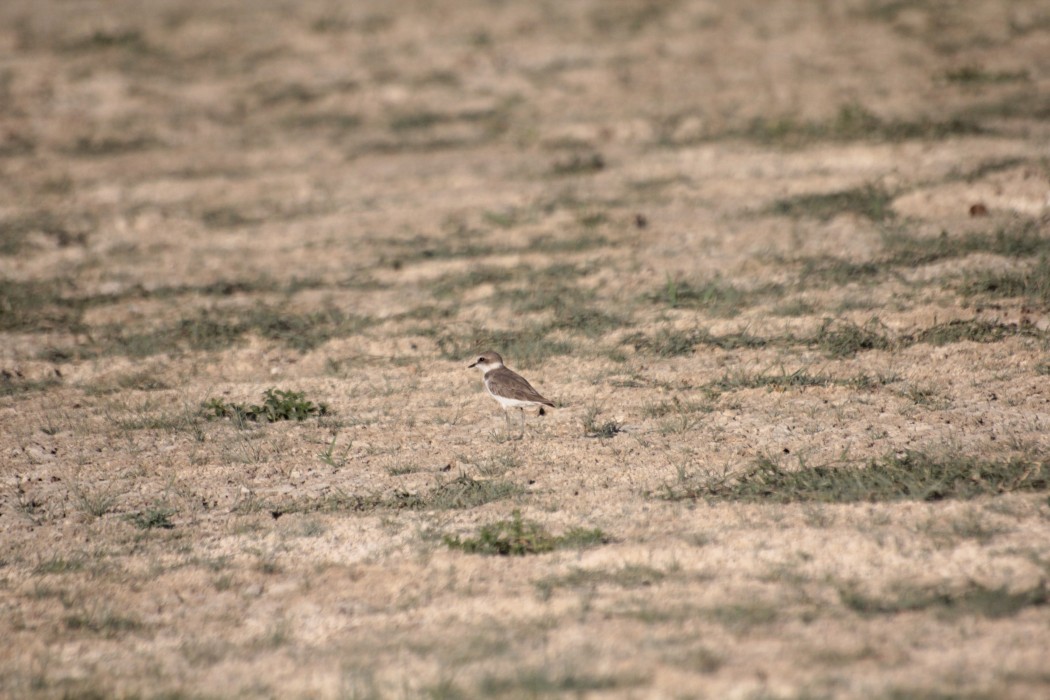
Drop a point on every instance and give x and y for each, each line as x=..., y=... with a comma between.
x=508, y=387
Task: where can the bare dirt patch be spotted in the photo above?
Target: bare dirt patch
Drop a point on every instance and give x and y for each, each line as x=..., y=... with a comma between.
x=782, y=266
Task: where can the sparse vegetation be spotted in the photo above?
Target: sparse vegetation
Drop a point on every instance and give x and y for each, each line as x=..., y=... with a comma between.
x=794, y=313
x=277, y=405
x=911, y=476
x=974, y=599
x=869, y=201
x=519, y=537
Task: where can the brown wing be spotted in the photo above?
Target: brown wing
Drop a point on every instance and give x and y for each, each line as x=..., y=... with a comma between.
x=504, y=382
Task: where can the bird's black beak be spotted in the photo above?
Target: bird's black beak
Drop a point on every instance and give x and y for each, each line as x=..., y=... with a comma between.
x=473, y=364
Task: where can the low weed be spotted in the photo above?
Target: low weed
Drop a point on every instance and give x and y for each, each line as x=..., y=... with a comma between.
x=842, y=338
x=973, y=600
x=277, y=405
x=911, y=476
x=519, y=537
x=154, y=517
x=869, y=201
x=592, y=427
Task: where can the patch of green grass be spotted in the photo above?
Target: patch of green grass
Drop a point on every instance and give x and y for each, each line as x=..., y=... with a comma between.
x=579, y=164
x=154, y=517
x=912, y=476
x=456, y=283
x=715, y=296
x=38, y=306
x=870, y=201
x=967, y=330
x=842, y=338
x=627, y=576
x=60, y=565
x=527, y=346
x=334, y=124
x=64, y=232
x=419, y=119
x=560, y=243
x=976, y=75
x=95, y=500
x=518, y=537
x=103, y=621
x=1019, y=239
x=12, y=383
x=96, y=145
x=592, y=427
x=669, y=342
x=798, y=379
x=543, y=683
x=793, y=308
x=101, y=39
x=973, y=600
x=1033, y=284
x=829, y=270
x=211, y=330
x=277, y=405
x=678, y=416
x=741, y=617
x=854, y=122
x=463, y=492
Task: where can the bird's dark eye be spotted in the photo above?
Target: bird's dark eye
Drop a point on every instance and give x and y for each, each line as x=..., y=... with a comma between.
x=481, y=359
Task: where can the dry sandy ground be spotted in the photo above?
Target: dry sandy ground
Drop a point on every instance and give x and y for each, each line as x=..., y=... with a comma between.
x=739, y=244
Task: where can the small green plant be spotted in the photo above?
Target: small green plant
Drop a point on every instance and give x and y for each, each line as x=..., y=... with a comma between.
x=912, y=476
x=973, y=600
x=329, y=456
x=519, y=537
x=154, y=517
x=593, y=428
x=463, y=492
x=277, y=405
x=869, y=201
x=841, y=338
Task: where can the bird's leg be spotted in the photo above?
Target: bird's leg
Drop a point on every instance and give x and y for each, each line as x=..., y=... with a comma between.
x=522, y=434
x=506, y=414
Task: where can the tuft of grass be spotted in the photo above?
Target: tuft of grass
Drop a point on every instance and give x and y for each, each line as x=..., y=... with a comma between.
x=579, y=164
x=13, y=383
x=1033, y=284
x=1018, y=239
x=973, y=600
x=911, y=476
x=100, y=39
x=800, y=378
x=592, y=427
x=973, y=330
x=675, y=343
x=102, y=620
x=853, y=122
x=96, y=500
x=211, y=329
x=836, y=271
x=627, y=576
x=976, y=75
x=870, y=201
x=38, y=306
x=741, y=617
x=463, y=492
x=154, y=517
x=715, y=296
x=60, y=565
x=544, y=683
x=518, y=537
x=415, y=120
x=278, y=404
x=527, y=346
x=842, y=338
